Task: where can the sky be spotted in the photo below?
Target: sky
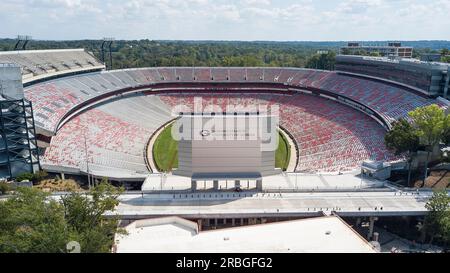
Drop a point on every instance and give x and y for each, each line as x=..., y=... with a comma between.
x=249, y=20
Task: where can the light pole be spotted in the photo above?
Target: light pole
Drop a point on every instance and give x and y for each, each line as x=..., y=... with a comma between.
x=87, y=159
x=107, y=42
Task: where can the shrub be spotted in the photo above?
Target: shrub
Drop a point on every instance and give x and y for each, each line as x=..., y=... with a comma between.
x=25, y=176
x=35, y=178
x=52, y=185
x=4, y=187
x=39, y=176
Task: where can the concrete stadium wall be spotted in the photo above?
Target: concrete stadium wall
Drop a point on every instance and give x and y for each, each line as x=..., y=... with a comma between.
x=11, y=82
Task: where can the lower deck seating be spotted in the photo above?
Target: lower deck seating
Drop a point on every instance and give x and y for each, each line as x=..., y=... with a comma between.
x=113, y=140
x=331, y=137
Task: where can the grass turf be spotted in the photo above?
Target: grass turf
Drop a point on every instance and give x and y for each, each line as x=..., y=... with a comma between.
x=165, y=151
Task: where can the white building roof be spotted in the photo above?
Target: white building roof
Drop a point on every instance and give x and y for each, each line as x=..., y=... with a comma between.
x=173, y=234
x=290, y=181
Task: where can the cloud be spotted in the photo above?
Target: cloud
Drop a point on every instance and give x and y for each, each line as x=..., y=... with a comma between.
x=256, y=2
x=227, y=19
x=358, y=6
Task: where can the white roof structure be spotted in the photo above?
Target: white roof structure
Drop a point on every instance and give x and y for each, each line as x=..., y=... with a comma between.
x=281, y=182
x=173, y=234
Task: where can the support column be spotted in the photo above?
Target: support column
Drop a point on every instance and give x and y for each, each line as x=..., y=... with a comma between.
x=447, y=84
x=233, y=222
x=63, y=177
x=376, y=237
x=199, y=224
x=371, y=224
x=193, y=185
x=237, y=183
x=259, y=184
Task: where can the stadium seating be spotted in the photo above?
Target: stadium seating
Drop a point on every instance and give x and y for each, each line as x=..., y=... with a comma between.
x=331, y=137
x=389, y=101
x=237, y=74
x=115, y=138
x=184, y=74
x=39, y=64
x=220, y=74
x=255, y=74
x=202, y=75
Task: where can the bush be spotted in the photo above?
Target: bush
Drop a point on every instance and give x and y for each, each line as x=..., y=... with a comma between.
x=35, y=178
x=39, y=176
x=52, y=185
x=25, y=176
x=4, y=187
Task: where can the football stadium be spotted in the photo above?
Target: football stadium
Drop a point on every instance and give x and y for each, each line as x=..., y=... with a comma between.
x=219, y=133
x=96, y=122
x=65, y=113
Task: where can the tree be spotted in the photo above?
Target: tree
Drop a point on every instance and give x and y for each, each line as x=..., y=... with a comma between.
x=446, y=133
x=445, y=59
x=31, y=221
x=437, y=222
x=403, y=139
x=429, y=122
x=325, y=61
x=445, y=55
x=85, y=215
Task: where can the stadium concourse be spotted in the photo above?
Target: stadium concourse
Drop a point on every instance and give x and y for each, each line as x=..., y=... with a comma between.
x=101, y=122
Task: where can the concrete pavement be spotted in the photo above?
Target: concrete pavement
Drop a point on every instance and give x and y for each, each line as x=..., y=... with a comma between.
x=247, y=204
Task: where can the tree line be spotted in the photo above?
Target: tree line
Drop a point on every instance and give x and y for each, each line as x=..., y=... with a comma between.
x=148, y=53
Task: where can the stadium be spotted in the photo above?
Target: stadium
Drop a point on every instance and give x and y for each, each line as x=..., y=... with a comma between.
x=63, y=111
x=101, y=123
x=224, y=127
